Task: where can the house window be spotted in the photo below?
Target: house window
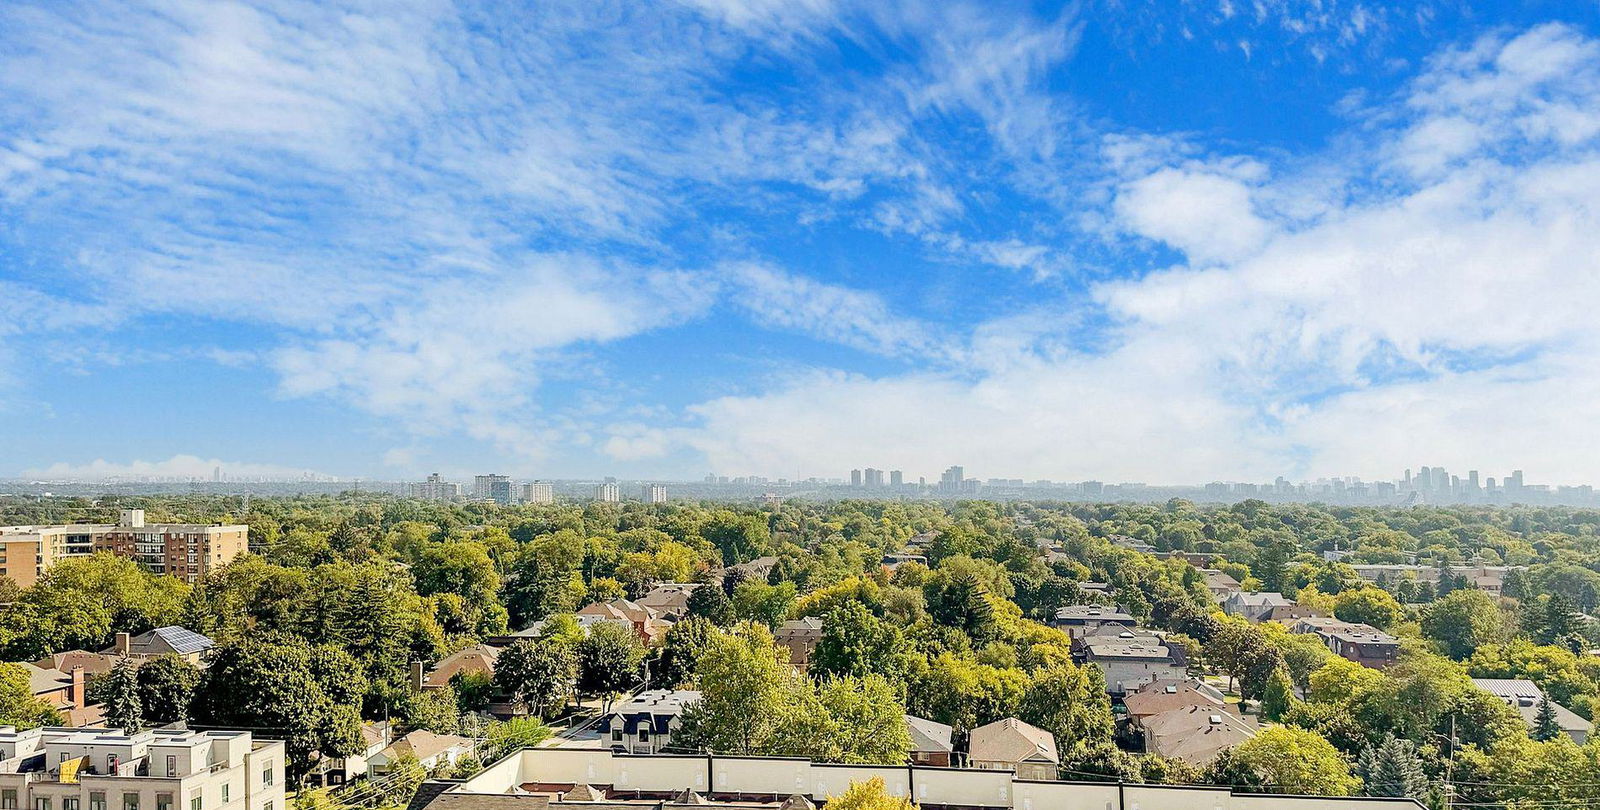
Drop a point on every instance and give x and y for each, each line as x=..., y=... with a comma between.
x=616, y=735
x=130, y=801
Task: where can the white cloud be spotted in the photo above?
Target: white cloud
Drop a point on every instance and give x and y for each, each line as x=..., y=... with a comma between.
x=830, y=312
x=177, y=467
x=1446, y=320
x=1206, y=214
x=466, y=358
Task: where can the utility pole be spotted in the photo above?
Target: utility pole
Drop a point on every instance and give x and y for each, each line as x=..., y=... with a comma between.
x=1450, y=768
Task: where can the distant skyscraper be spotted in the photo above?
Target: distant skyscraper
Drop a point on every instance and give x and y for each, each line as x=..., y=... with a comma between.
x=483, y=485
x=538, y=492
x=873, y=478
x=855, y=478
x=436, y=489
x=896, y=478
x=655, y=493
x=607, y=492
x=952, y=478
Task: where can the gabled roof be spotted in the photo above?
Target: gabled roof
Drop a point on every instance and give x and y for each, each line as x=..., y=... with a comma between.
x=1164, y=695
x=92, y=663
x=172, y=638
x=425, y=744
x=1011, y=740
x=1195, y=734
x=928, y=736
x=477, y=658
x=42, y=681
x=1525, y=696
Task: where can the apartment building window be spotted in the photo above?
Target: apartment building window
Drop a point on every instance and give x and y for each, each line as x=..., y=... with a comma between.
x=111, y=764
x=266, y=774
x=172, y=765
x=616, y=735
x=97, y=801
x=163, y=801
x=130, y=801
x=8, y=799
x=41, y=803
x=69, y=803
x=225, y=791
x=194, y=802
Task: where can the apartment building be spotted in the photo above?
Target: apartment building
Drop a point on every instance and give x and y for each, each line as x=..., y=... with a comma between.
x=538, y=492
x=98, y=768
x=187, y=551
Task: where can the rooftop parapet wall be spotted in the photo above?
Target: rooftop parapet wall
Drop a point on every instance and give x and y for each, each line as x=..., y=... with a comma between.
x=756, y=778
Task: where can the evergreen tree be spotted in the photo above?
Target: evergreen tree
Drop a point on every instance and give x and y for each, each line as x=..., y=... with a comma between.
x=1562, y=622
x=712, y=604
x=1545, y=728
x=118, y=691
x=1393, y=768
x=1278, y=697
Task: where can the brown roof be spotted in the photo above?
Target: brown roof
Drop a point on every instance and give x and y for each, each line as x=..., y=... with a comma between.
x=1195, y=734
x=1161, y=696
x=477, y=658
x=1011, y=740
x=424, y=744
x=93, y=663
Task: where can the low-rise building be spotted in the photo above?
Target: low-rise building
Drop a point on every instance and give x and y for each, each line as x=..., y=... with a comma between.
x=479, y=659
x=1087, y=620
x=1361, y=643
x=1256, y=606
x=930, y=742
x=172, y=639
x=645, y=623
x=670, y=599
x=96, y=768
x=799, y=637
x=645, y=724
x=1221, y=584
x=66, y=692
x=430, y=750
x=1525, y=696
x=1130, y=660
x=1194, y=734
x=329, y=771
x=1011, y=744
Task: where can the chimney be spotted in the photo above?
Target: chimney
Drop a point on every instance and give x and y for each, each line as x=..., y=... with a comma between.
x=416, y=676
x=75, y=694
x=124, y=644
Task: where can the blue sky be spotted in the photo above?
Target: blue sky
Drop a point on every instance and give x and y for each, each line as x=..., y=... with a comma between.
x=1164, y=242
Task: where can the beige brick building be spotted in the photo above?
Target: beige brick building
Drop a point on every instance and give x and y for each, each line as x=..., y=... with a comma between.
x=185, y=550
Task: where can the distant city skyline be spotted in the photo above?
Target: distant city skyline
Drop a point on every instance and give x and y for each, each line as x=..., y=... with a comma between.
x=1420, y=485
